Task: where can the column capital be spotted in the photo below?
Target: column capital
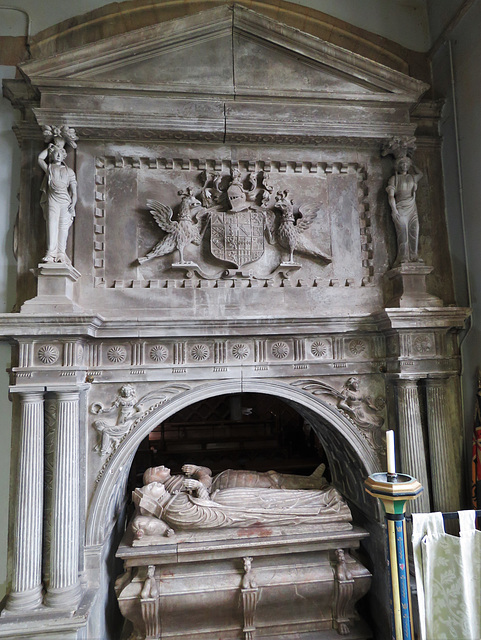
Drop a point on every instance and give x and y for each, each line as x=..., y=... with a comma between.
x=437, y=379
x=26, y=390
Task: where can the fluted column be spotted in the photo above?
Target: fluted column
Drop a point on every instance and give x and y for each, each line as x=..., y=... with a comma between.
x=444, y=450
x=26, y=590
x=411, y=439
x=63, y=590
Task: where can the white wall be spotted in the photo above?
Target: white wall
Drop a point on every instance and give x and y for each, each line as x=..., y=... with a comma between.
x=404, y=21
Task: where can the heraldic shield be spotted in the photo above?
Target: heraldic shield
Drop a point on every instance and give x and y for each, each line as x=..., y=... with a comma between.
x=237, y=237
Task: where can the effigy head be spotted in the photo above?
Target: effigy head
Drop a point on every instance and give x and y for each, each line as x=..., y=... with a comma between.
x=156, y=474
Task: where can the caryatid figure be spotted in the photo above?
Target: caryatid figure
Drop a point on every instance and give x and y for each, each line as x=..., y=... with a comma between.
x=401, y=190
x=59, y=192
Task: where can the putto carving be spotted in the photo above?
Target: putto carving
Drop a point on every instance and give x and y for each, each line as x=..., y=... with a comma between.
x=288, y=229
x=59, y=191
x=237, y=219
x=48, y=354
x=180, y=232
x=128, y=408
x=364, y=412
x=401, y=190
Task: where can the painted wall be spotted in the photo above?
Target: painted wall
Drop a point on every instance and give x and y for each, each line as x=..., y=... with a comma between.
x=462, y=183
x=404, y=21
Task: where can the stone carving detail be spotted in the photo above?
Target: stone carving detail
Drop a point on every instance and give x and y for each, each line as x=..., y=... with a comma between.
x=158, y=353
x=250, y=595
x=280, y=350
x=401, y=190
x=319, y=349
x=150, y=605
x=200, y=352
x=422, y=344
x=127, y=407
x=181, y=232
x=166, y=503
x=288, y=231
x=59, y=191
x=240, y=351
x=344, y=587
x=116, y=354
x=48, y=354
x=357, y=346
x=362, y=410
x=239, y=220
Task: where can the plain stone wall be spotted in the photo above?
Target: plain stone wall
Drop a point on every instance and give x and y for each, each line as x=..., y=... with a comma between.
x=405, y=23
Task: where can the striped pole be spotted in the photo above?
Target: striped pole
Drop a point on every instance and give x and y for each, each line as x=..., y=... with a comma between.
x=395, y=490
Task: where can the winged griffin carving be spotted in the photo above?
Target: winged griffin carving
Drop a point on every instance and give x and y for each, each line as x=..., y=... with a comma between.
x=239, y=221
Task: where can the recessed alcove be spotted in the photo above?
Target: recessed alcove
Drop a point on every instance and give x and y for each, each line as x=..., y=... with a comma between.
x=237, y=431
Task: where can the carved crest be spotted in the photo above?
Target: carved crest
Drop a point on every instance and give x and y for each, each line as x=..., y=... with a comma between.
x=237, y=238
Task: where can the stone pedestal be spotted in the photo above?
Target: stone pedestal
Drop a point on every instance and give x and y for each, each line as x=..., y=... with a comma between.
x=408, y=283
x=55, y=289
x=63, y=590
x=411, y=439
x=26, y=593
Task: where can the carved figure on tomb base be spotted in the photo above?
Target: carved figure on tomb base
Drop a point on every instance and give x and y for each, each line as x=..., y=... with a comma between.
x=289, y=229
x=181, y=232
x=59, y=192
x=245, y=499
x=401, y=190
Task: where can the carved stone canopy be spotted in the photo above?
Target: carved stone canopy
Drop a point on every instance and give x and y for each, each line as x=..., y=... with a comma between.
x=253, y=56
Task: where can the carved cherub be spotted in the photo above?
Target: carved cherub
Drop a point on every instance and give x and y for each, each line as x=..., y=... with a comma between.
x=288, y=230
x=180, y=232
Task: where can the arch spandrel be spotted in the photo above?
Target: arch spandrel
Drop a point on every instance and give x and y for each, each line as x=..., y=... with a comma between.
x=109, y=490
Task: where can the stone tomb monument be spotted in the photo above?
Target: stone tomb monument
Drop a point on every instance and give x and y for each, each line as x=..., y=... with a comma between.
x=206, y=210
x=243, y=554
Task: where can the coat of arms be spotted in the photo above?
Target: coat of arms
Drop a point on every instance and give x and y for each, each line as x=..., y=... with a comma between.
x=238, y=221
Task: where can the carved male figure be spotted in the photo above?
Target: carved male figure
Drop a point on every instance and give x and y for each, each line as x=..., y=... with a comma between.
x=401, y=190
x=58, y=200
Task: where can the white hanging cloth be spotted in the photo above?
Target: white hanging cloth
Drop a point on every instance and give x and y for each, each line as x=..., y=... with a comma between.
x=448, y=577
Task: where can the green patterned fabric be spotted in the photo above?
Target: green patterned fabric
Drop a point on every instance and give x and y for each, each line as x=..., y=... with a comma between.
x=448, y=577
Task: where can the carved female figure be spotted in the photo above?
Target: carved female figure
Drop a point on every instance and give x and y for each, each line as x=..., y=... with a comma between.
x=59, y=196
x=401, y=190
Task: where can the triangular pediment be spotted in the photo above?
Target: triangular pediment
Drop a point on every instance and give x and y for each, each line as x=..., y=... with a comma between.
x=225, y=51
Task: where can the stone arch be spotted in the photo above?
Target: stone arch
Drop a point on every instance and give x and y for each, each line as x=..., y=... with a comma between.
x=333, y=428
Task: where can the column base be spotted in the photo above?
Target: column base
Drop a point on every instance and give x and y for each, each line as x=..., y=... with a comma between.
x=55, y=289
x=65, y=598
x=19, y=601
x=408, y=284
